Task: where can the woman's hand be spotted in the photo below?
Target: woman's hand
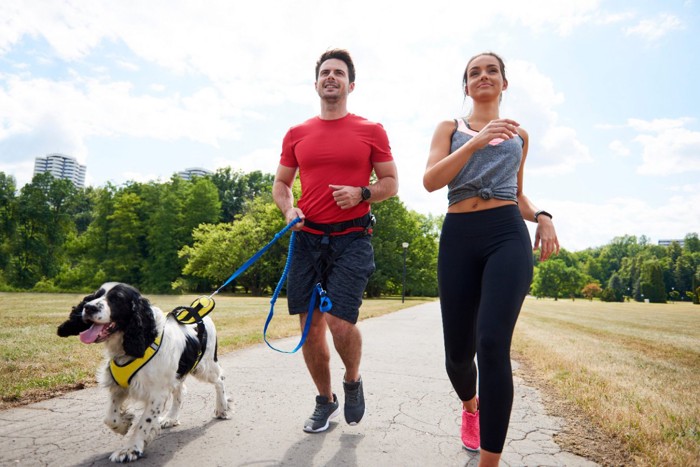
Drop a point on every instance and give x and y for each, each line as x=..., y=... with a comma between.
x=546, y=238
x=499, y=129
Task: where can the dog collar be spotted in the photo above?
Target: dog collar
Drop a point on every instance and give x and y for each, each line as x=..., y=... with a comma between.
x=122, y=374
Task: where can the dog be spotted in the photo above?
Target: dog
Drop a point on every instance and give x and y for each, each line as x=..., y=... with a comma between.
x=148, y=356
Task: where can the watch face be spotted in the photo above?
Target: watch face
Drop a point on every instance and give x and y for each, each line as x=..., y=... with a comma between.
x=366, y=193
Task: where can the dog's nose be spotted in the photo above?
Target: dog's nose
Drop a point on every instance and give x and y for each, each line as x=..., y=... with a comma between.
x=90, y=309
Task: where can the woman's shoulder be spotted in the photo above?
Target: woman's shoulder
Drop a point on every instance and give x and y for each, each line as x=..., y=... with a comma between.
x=447, y=125
x=523, y=134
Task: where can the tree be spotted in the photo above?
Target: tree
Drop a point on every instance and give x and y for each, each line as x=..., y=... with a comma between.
x=41, y=229
x=616, y=288
x=396, y=225
x=219, y=250
x=691, y=243
x=165, y=235
x=652, y=283
x=683, y=273
x=548, y=279
x=127, y=239
x=591, y=290
x=236, y=189
x=8, y=221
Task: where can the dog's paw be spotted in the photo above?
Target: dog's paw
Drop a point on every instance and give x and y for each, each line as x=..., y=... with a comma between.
x=126, y=455
x=223, y=413
x=169, y=422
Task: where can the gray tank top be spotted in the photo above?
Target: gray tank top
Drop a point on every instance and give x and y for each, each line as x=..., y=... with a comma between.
x=492, y=172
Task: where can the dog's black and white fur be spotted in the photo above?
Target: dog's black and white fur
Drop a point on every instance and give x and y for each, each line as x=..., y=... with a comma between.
x=118, y=315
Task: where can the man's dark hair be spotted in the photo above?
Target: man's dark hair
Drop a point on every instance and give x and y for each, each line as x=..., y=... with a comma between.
x=340, y=54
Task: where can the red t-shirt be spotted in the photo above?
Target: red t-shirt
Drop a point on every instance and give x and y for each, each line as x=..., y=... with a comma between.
x=333, y=152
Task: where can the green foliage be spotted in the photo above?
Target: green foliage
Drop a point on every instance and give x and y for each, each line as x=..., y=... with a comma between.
x=236, y=189
x=554, y=278
x=651, y=282
x=40, y=229
x=615, y=291
x=396, y=225
x=168, y=236
x=220, y=249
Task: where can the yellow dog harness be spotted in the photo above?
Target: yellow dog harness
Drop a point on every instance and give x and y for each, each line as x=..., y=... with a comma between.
x=202, y=306
x=122, y=374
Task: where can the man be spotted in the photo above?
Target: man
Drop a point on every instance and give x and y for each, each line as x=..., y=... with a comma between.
x=335, y=154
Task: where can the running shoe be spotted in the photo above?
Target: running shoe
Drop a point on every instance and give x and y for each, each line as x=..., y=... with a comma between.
x=323, y=412
x=471, y=439
x=354, y=402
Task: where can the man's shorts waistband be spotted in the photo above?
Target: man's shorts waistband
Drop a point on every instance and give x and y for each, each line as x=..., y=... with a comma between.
x=352, y=225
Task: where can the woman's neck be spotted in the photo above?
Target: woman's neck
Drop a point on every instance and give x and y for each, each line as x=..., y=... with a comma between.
x=482, y=113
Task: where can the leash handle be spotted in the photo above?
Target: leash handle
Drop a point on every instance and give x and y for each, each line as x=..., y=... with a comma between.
x=257, y=255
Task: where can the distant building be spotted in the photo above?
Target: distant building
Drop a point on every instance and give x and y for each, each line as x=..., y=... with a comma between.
x=668, y=242
x=188, y=174
x=61, y=166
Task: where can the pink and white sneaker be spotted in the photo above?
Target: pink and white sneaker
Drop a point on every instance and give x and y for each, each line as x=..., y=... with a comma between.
x=471, y=439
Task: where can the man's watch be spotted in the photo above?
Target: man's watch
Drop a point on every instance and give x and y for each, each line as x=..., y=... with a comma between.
x=366, y=194
x=543, y=213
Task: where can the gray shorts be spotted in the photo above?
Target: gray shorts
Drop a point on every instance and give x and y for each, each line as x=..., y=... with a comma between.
x=351, y=265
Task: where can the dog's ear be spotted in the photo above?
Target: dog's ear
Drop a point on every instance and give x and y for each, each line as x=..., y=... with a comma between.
x=74, y=325
x=141, y=330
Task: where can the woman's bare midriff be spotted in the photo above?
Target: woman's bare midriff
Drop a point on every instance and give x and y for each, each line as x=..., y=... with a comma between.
x=478, y=204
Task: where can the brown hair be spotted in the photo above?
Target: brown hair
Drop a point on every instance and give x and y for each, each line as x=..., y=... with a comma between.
x=340, y=54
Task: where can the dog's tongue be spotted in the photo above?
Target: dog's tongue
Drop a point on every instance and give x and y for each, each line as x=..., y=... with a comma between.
x=90, y=335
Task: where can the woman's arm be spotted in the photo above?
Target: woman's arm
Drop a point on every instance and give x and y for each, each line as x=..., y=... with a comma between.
x=545, y=235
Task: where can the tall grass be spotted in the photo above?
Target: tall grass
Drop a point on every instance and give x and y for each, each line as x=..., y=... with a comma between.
x=35, y=363
x=632, y=368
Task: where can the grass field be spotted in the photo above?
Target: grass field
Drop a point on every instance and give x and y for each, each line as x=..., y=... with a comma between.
x=632, y=368
x=36, y=364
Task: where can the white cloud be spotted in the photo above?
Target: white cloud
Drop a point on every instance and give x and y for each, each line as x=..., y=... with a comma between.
x=667, y=146
x=89, y=107
x=656, y=28
x=532, y=96
x=619, y=148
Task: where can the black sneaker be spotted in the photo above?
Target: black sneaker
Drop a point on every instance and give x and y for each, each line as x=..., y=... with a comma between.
x=323, y=412
x=354, y=402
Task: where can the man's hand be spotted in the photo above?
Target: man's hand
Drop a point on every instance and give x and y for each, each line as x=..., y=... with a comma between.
x=293, y=213
x=345, y=196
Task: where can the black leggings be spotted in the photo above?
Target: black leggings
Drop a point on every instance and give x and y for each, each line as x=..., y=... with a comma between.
x=484, y=273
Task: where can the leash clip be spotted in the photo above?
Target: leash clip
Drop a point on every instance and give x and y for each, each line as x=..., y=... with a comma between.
x=324, y=304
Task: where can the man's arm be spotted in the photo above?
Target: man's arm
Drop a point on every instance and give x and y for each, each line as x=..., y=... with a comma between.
x=386, y=186
x=284, y=197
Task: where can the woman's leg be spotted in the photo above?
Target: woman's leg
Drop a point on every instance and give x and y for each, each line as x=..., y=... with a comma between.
x=506, y=282
x=459, y=286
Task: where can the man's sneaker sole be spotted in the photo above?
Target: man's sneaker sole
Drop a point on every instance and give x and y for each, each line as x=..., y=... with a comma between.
x=309, y=429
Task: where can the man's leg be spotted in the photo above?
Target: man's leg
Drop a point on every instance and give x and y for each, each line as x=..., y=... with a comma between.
x=317, y=355
x=348, y=342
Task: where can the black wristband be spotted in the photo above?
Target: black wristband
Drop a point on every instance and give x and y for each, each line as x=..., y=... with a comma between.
x=366, y=194
x=545, y=213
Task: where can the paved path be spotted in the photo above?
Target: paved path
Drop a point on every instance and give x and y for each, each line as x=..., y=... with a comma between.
x=412, y=414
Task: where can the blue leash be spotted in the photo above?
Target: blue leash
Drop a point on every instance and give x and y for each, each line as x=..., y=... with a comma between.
x=257, y=255
x=317, y=293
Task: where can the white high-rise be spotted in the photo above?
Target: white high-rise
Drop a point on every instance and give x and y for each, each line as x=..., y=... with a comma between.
x=61, y=166
x=188, y=174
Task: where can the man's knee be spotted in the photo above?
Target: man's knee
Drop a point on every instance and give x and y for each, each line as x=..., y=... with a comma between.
x=340, y=327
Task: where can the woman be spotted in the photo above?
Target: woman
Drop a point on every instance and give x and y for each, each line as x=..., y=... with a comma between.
x=485, y=259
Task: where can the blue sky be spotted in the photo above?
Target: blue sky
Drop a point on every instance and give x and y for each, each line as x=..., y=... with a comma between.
x=139, y=90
